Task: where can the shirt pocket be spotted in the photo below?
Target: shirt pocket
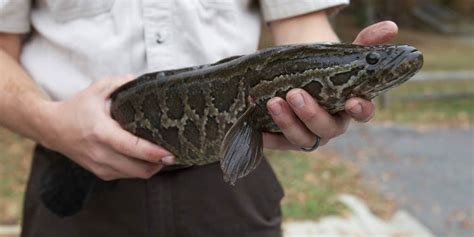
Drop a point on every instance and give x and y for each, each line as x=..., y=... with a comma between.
x=216, y=10
x=217, y=4
x=67, y=10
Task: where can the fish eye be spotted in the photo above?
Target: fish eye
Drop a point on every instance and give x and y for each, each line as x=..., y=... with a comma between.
x=372, y=58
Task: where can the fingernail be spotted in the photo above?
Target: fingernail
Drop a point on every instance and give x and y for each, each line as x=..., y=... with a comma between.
x=297, y=100
x=356, y=109
x=275, y=108
x=168, y=160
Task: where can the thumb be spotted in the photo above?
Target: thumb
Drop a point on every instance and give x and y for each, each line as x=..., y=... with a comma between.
x=378, y=33
x=107, y=86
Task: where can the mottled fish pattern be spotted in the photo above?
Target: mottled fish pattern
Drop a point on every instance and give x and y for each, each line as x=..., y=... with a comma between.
x=217, y=112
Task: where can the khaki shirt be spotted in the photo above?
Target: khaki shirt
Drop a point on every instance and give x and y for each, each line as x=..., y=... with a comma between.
x=76, y=42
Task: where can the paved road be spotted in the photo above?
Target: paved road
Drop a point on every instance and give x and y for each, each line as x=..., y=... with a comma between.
x=429, y=172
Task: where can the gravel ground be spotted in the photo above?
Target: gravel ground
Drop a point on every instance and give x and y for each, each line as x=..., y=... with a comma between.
x=428, y=171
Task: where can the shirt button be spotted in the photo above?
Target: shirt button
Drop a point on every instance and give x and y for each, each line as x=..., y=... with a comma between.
x=159, y=38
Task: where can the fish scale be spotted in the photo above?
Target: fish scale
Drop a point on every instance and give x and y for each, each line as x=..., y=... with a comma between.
x=217, y=112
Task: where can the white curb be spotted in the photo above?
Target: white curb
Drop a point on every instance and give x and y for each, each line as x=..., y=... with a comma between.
x=360, y=223
x=9, y=230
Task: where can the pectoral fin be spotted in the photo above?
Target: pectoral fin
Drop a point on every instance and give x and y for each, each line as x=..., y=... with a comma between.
x=242, y=148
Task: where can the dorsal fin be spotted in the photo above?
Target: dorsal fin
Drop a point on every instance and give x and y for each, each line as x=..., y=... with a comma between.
x=226, y=60
x=160, y=75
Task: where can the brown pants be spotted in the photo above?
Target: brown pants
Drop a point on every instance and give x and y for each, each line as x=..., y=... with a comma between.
x=188, y=202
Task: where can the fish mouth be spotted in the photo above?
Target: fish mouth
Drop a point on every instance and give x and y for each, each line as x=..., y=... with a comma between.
x=409, y=55
x=408, y=62
x=410, y=65
x=415, y=58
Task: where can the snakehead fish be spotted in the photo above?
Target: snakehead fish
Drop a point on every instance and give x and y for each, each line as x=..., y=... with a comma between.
x=217, y=112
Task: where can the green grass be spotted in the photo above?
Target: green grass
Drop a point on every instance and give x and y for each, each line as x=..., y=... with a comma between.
x=313, y=181
x=451, y=112
x=15, y=157
x=305, y=197
x=426, y=87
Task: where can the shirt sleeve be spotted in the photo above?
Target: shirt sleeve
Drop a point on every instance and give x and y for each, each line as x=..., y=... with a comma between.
x=279, y=9
x=15, y=16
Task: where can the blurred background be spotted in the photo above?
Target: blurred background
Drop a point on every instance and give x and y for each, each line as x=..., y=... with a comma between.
x=417, y=154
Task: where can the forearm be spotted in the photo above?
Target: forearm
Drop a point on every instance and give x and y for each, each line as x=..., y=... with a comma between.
x=309, y=28
x=22, y=104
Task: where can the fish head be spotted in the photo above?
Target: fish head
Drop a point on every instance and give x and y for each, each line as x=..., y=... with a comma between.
x=332, y=73
x=366, y=71
x=379, y=68
x=356, y=70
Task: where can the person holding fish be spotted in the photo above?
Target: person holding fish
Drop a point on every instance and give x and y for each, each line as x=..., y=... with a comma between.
x=56, y=62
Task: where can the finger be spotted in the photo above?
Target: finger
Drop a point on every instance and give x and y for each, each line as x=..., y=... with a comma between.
x=293, y=129
x=131, y=167
x=277, y=141
x=360, y=109
x=378, y=33
x=316, y=118
x=129, y=145
x=104, y=172
x=107, y=86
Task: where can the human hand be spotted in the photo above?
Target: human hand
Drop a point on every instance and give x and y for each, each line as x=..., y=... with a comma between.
x=82, y=129
x=300, y=118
